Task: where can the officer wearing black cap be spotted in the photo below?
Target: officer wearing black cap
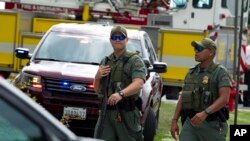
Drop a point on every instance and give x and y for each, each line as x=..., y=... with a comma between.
x=203, y=99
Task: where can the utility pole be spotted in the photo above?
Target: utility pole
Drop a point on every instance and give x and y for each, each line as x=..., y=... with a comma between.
x=239, y=56
x=235, y=39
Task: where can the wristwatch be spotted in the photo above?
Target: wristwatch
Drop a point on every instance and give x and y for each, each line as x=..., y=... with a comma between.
x=208, y=111
x=121, y=94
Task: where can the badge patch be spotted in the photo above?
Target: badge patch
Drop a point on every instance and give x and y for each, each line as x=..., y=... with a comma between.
x=205, y=80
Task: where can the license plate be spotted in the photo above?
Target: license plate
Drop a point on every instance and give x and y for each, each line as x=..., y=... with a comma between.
x=75, y=113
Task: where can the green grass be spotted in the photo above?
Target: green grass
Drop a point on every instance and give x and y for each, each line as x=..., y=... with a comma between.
x=167, y=111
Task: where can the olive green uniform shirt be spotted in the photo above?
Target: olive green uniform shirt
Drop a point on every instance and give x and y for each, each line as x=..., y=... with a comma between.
x=115, y=130
x=198, y=83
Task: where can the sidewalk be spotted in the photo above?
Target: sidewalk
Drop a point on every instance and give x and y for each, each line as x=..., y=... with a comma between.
x=241, y=107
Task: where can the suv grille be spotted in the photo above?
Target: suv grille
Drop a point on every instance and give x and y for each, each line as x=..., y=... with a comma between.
x=71, y=93
x=67, y=88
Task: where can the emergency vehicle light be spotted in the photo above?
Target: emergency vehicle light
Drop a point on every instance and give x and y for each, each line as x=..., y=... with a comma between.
x=245, y=30
x=222, y=16
x=216, y=34
x=210, y=27
x=91, y=86
x=21, y=51
x=65, y=83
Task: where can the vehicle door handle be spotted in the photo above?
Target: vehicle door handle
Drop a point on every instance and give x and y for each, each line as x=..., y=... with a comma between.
x=155, y=80
x=157, y=77
x=192, y=15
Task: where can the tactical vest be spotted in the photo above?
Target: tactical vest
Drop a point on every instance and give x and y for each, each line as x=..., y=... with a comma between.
x=200, y=89
x=120, y=75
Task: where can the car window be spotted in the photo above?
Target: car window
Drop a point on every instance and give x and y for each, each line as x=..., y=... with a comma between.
x=150, y=53
x=74, y=48
x=14, y=126
x=203, y=4
x=79, y=48
x=178, y=4
x=135, y=46
x=151, y=49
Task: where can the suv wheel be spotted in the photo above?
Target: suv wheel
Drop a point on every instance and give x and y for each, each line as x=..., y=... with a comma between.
x=158, y=116
x=150, y=126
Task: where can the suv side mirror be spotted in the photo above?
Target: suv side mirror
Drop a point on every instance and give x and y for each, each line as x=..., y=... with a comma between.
x=160, y=67
x=22, y=53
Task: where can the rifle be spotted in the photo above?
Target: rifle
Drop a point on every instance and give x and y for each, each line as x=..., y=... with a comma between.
x=104, y=90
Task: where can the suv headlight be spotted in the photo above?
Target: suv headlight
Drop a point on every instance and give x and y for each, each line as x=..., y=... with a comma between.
x=31, y=80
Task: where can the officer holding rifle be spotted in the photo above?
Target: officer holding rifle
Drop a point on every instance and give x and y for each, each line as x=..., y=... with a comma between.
x=119, y=79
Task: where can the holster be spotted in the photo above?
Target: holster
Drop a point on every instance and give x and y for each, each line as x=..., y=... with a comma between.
x=128, y=104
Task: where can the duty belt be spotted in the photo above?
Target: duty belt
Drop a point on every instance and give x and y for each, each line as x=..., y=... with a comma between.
x=213, y=117
x=122, y=106
x=109, y=107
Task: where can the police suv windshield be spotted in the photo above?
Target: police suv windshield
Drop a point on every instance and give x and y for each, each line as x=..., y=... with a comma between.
x=78, y=48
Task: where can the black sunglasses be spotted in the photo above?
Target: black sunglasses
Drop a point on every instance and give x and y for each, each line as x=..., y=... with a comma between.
x=199, y=48
x=121, y=38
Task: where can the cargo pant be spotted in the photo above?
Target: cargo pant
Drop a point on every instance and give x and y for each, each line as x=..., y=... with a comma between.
x=207, y=131
x=115, y=130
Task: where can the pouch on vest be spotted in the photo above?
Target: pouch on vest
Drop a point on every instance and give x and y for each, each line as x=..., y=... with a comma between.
x=207, y=99
x=197, y=98
x=187, y=98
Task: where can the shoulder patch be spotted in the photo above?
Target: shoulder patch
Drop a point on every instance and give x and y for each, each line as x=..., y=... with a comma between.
x=137, y=61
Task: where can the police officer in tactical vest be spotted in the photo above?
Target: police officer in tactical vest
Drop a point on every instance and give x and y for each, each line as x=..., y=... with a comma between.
x=125, y=73
x=202, y=102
